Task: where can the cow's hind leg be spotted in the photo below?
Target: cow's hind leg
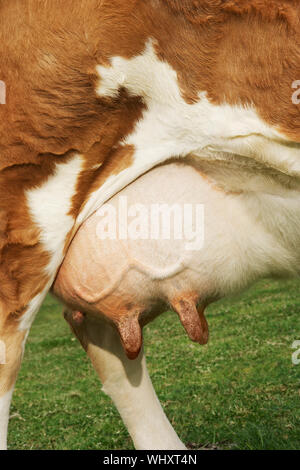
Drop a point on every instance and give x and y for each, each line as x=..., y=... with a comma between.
x=127, y=383
x=12, y=340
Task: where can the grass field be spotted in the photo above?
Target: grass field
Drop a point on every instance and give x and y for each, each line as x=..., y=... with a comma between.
x=239, y=392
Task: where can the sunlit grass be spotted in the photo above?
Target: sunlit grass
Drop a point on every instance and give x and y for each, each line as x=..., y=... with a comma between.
x=239, y=392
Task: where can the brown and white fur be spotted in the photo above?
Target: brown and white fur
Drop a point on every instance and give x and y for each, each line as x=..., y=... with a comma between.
x=98, y=92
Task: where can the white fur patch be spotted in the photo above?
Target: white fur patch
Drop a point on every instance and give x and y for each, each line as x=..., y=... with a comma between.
x=171, y=127
x=49, y=206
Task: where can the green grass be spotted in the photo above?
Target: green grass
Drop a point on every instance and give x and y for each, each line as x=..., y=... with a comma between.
x=239, y=392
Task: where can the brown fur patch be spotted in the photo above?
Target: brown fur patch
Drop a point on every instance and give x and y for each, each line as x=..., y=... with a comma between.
x=22, y=257
x=120, y=159
x=204, y=11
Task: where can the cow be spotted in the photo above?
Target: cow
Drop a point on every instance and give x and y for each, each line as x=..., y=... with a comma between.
x=99, y=92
